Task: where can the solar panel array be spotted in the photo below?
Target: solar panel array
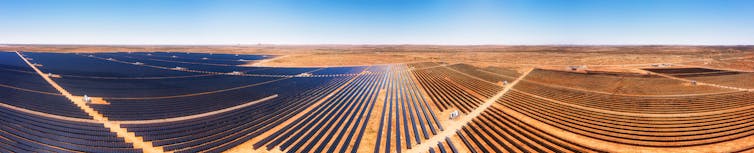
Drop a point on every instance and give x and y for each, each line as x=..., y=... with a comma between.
x=206, y=102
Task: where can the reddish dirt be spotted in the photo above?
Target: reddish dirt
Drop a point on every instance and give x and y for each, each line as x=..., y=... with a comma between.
x=739, y=57
x=620, y=83
x=612, y=69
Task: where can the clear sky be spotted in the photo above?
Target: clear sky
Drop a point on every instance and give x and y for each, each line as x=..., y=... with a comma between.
x=451, y=22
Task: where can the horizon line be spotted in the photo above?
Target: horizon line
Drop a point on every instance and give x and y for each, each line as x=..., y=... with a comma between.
x=354, y=44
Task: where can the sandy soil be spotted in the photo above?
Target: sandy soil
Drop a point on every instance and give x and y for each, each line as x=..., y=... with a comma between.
x=597, y=58
x=620, y=83
x=337, y=59
x=368, y=142
x=556, y=57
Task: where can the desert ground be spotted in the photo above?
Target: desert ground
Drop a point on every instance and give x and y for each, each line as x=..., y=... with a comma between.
x=611, y=58
x=377, y=98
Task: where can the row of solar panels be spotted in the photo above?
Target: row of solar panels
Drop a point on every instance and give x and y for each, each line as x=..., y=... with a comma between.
x=147, y=98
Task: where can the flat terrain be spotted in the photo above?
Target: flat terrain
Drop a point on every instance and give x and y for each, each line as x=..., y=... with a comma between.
x=387, y=98
x=555, y=57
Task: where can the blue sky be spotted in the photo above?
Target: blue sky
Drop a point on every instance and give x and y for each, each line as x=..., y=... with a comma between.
x=450, y=22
